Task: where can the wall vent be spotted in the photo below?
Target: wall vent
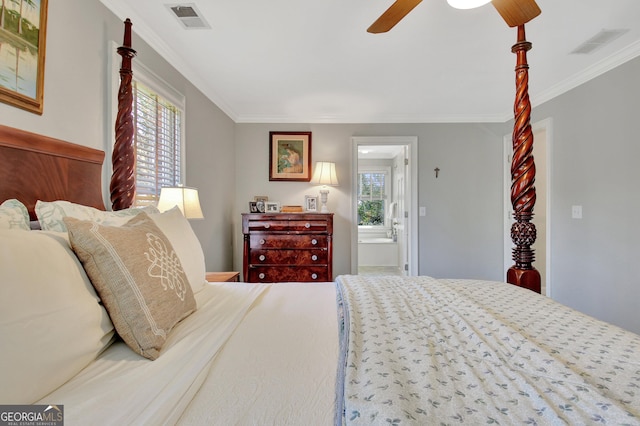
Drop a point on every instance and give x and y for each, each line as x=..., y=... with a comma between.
x=188, y=15
x=598, y=41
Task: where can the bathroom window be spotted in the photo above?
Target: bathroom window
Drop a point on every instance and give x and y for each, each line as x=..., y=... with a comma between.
x=373, y=197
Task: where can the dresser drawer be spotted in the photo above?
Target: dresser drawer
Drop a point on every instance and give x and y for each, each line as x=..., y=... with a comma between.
x=265, y=240
x=288, y=226
x=288, y=257
x=270, y=274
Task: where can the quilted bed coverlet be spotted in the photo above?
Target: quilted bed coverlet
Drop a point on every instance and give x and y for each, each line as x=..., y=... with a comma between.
x=425, y=351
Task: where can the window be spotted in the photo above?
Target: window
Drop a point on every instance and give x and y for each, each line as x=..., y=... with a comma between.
x=158, y=142
x=372, y=197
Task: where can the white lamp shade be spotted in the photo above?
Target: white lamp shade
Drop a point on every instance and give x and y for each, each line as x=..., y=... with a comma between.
x=325, y=174
x=184, y=197
x=467, y=4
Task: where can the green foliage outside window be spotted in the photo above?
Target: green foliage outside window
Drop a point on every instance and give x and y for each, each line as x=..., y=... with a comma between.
x=371, y=212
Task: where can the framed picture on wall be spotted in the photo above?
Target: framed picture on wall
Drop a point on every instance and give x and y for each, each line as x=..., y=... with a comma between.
x=290, y=156
x=23, y=35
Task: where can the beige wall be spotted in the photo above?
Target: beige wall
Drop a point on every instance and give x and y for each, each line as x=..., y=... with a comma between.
x=594, y=163
x=467, y=193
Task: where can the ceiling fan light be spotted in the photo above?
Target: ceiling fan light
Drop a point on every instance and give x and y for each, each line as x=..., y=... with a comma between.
x=467, y=4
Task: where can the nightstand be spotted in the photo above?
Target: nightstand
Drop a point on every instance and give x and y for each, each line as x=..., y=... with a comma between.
x=214, y=277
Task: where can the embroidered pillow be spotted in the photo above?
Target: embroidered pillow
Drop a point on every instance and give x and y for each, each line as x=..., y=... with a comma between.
x=138, y=276
x=14, y=215
x=51, y=214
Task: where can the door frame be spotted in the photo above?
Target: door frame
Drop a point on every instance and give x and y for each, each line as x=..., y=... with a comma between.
x=547, y=125
x=411, y=142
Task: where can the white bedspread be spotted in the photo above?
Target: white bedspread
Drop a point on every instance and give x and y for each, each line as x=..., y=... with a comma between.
x=123, y=388
x=426, y=351
x=279, y=367
x=252, y=354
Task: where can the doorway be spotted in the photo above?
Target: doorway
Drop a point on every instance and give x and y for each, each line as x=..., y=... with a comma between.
x=542, y=137
x=384, y=237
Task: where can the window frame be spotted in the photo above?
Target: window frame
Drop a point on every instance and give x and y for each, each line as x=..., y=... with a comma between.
x=386, y=170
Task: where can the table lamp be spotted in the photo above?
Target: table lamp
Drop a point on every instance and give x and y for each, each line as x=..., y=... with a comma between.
x=184, y=197
x=325, y=175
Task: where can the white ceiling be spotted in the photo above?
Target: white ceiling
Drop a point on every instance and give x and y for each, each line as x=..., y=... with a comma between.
x=380, y=151
x=312, y=61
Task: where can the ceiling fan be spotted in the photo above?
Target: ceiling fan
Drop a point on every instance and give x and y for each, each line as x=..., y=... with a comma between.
x=514, y=12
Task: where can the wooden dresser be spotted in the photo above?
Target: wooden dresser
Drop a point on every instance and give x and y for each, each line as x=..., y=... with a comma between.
x=286, y=247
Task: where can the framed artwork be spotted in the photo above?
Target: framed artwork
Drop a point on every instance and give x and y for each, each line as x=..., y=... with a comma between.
x=310, y=203
x=22, y=52
x=290, y=156
x=253, y=207
x=272, y=207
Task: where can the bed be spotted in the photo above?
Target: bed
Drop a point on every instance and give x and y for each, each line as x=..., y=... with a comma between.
x=360, y=350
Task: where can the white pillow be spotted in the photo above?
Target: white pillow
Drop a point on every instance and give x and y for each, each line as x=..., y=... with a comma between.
x=50, y=214
x=14, y=215
x=185, y=243
x=51, y=322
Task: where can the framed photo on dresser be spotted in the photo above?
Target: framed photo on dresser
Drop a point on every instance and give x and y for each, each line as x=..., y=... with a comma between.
x=310, y=203
x=271, y=207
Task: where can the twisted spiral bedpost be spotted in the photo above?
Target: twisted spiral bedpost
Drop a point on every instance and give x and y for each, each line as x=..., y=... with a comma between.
x=523, y=175
x=123, y=180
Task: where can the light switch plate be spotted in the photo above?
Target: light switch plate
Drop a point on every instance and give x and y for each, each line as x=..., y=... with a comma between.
x=576, y=212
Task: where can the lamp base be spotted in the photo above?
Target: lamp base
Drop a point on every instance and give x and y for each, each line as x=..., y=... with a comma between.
x=324, y=195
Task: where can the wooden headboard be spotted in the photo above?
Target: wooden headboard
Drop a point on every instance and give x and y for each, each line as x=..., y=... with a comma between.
x=35, y=167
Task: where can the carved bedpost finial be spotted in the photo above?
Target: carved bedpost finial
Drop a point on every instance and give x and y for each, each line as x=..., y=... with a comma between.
x=523, y=175
x=123, y=180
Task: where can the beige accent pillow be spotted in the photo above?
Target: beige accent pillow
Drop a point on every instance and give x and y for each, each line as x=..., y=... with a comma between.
x=186, y=244
x=14, y=215
x=52, y=324
x=51, y=214
x=138, y=276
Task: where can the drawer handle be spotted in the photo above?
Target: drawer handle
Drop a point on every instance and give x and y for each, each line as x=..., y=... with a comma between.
x=262, y=258
x=262, y=241
x=267, y=226
x=314, y=257
x=261, y=275
x=314, y=276
x=307, y=225
x=314, y=241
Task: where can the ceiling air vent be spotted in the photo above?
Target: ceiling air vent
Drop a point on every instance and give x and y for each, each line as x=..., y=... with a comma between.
x=599, y=40
x=188, y=15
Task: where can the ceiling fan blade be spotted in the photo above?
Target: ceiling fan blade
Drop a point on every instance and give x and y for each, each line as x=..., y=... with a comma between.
x=517, y=12
x=392, y=16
